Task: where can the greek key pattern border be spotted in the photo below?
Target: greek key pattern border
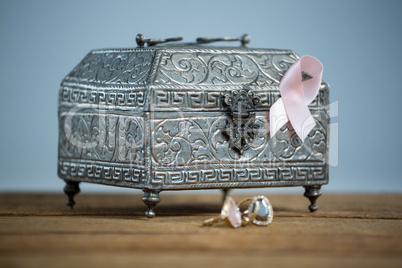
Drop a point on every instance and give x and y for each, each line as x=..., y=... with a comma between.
x=101, y=171
x=75, y=95
x=239, y=175
x=163, y=99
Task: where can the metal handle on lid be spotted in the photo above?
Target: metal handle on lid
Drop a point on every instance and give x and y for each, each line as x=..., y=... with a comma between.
x=245, y=40
x=141, y=41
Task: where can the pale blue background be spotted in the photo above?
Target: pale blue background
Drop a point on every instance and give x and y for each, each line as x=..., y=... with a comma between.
x=359, y=43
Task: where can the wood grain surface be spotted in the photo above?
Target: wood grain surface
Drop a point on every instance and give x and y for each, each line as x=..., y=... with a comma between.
x=105, y=230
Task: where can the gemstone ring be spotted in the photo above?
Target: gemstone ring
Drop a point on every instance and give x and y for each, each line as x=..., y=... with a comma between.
x=259, y=211
x=230, y=213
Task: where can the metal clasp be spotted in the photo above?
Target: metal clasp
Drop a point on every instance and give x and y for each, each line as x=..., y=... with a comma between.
x=241, y=128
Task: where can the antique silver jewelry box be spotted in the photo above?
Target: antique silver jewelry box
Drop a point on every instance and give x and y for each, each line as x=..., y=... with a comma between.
x=185, y=117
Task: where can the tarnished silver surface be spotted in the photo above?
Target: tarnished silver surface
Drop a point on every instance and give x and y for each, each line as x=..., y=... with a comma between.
x=170, y=118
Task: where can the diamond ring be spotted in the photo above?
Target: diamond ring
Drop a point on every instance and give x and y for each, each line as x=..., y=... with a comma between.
x=259, y=212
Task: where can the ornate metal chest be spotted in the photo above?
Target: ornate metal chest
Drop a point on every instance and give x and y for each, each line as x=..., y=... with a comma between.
x=185, y=117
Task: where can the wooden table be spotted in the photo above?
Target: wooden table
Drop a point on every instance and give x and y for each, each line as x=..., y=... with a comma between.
x=111, y=230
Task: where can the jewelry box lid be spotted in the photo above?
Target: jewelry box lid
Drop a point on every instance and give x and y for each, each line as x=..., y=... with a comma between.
x=158, y=69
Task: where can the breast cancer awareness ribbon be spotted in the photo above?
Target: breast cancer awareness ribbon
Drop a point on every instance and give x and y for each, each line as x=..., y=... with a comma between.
x=296, y=95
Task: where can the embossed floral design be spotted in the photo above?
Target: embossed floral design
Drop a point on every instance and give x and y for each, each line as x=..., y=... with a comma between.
x=182, y=68
x=105, y=138
x=179, y=142
x=286, y=145
x=204, y=68
x=220, y=145
x=116, y=68
x=201, y=141
x=231, y=69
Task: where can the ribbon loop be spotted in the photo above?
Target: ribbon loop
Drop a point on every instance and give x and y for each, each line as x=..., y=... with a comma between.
x=296, y=95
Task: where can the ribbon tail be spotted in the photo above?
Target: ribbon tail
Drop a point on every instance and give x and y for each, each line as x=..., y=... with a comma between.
x=303, y=128
x=277, y=117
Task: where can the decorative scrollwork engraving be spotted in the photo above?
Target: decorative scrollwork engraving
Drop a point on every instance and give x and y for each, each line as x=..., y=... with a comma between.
x=180, y=143
x=287, y=146
x=130, y=68
x=112, y=138
x=200, y=140
x=241, y=128
x=202, y=68
x=196, y=141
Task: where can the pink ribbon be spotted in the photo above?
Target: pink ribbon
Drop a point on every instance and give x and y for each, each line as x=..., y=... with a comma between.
x=296, y=95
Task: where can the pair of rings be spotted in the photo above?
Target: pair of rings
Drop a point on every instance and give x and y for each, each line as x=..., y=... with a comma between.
x=259, y=212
